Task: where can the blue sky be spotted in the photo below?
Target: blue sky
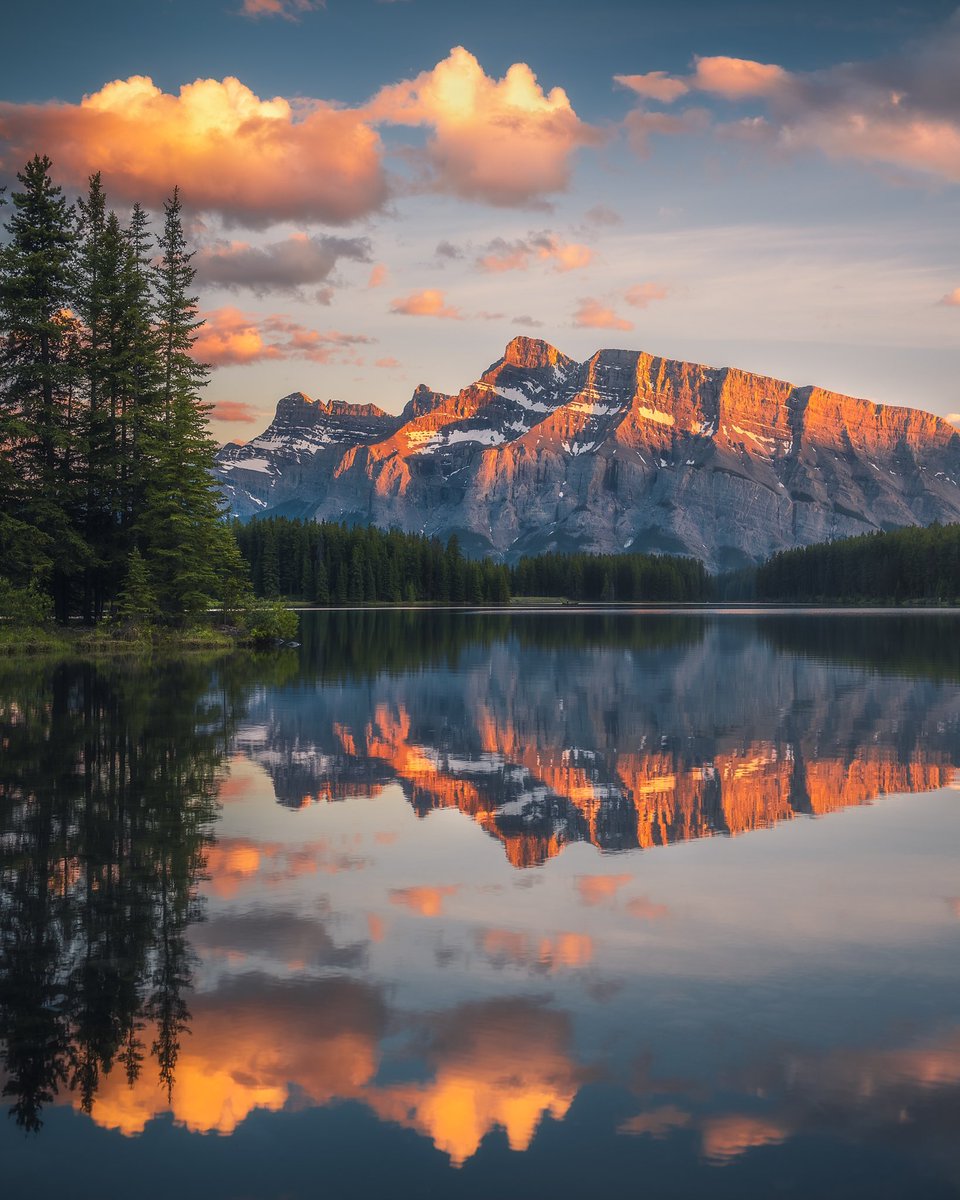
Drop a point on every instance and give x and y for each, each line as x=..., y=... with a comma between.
x=770, y=186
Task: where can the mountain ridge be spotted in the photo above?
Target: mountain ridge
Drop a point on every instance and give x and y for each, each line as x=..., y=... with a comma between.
x=626, y=450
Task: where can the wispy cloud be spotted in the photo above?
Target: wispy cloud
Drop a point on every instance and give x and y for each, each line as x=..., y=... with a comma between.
x=430, y=302
x=230, y=337
x=592, y=314
x=522, y=253
x=285, y=266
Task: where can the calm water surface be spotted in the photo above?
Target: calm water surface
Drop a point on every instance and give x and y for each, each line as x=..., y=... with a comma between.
x=460, y=905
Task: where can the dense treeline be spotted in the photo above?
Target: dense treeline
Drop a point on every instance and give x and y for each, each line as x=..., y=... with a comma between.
x=612, y=577
x=107, y=504
x=920, y=564
x=336, y=564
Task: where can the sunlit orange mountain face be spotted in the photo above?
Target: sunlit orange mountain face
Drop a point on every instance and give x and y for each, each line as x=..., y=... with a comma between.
x=455, y=897
x=627, y=450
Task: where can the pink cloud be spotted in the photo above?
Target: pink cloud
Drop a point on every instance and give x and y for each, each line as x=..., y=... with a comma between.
x=656, y=85
x=430, y=302
x=643, y=294
x=520, y=255
x=737, y=78
x=378, y=276
x=505, y=141
x=289, y=9
x=389, y=363
x=951, y=299
x=591, y=314
x=230, y=337
x=234, y=410
x=252, y=160
x=900, y=112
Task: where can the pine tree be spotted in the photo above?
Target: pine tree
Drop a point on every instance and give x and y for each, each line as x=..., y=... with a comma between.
x=180, y=523
x=37, y=375
x=137, y=602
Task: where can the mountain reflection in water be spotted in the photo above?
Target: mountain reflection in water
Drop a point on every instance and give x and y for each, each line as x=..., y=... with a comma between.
x=255, y=889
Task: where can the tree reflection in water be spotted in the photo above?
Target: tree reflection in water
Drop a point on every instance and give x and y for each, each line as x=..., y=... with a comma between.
x=108, y=783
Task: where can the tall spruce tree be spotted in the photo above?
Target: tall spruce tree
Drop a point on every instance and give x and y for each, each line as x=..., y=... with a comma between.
x=180, y=524
x=38, y=367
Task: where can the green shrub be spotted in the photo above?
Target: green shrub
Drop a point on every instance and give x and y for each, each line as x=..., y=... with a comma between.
x=269, y=621
x=24, y=606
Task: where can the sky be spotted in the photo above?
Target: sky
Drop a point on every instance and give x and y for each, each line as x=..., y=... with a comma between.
x=383, y=193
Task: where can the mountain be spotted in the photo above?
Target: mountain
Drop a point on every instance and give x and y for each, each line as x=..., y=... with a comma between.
x=623, y=451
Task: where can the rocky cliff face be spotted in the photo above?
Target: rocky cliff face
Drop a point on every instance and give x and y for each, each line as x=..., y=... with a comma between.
x=624, y=451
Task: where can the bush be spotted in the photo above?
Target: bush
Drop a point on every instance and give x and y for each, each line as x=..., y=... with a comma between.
x=269, y=621
x=24, y=606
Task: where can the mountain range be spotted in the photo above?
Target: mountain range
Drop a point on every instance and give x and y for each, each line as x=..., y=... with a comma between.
x=626, y=451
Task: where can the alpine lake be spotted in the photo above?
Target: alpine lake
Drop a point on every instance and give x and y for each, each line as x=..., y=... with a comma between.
x=488, y=904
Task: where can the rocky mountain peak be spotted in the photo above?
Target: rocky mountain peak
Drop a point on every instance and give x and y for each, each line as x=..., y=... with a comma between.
x=532, y=353
x=626, y=451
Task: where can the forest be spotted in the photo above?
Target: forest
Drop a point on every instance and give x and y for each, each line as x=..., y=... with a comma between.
x=107, y=503
x=915, y=564
x=328, y=563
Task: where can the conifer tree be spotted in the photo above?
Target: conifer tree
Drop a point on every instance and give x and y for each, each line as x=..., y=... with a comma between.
x=37, y=373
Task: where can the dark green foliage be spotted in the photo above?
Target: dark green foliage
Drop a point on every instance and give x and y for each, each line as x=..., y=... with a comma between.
x=105, y=451
x=137, y=602
x=914, y=564
x=624, y=578
x=336, y=564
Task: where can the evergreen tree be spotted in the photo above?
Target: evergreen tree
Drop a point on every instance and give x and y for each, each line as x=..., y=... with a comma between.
x=37, y=375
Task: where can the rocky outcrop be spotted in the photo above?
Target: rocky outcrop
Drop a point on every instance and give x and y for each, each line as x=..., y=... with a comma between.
x=624, y=451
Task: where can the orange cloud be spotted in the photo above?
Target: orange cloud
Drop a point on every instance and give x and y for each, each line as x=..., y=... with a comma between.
x=288, y=9
x=737, y=78
x=643, y=294
x=645, y=910
x=951, y=299
x=655, y=85
x=431, y=302
x=230, y=337
x=563, y=950
x=497, y=1064
x=424, y=901
x=657, y=1123
x=378, y=276
x=501, y=255
x=252, y=160
x=953, y=418
x=727, y=1137
x=595, y=889
x=389, y=363
x=591, y=314
x=234, y=410
x=504, y=141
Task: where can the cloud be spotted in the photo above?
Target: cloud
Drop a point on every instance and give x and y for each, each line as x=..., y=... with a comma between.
x=597, y=889
x=504, y=141
x=528, y=322
x=655, y=85
x=501, y=255
x=389, y=363
x=902, y=111
x=230, y=337
x=234, y=410
x=643, y=294
x=424, y=901
x=290, y=10
x=646, y=910
x=429, y=303
x=378, y=276
x=954, y=419
x=253, y=161
x=447, y=249
x=591, y=314
x=602, y=215
x=951, y=299
x=284, y=266
x=737, y=78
